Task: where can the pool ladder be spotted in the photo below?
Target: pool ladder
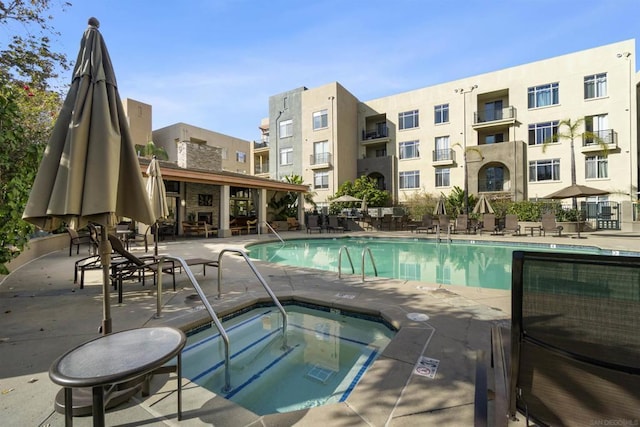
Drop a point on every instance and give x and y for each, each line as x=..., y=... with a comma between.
x=209, y=308
x=272, y=230
x=365, y=250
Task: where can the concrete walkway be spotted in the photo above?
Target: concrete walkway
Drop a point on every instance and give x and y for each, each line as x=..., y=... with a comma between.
x=43, y=314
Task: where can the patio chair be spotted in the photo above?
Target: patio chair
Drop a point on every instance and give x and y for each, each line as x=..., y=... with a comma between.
x=511, y=224
x=573, y=352
x=292, y=224
x=334, y=224
x=489, y=223
x=444, y=222
x=252, y=225
x=76, y=239
x=461, y=224
x=549, y=224
x=132, y=267
x=313, y=224
x=426, y=225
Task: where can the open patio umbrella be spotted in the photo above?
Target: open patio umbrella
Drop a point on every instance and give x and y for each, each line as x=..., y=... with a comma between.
x=157, y=194
x=90, y=172
x=483, y=205
x=575, y=191
x=440, y=208
x=346, y=198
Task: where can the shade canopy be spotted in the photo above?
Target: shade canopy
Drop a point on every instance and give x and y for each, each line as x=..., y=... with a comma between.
x=346, y=198
x=483, y=205
x=576, y=191
x=89, y=172
x=440, y=208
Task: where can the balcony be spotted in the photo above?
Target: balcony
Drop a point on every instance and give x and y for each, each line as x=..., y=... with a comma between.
x=445, y=157
x=261, y=169
x=260, y=146
x=320, y=160
x=375, y=136
x=488, y=118
x=602, y=140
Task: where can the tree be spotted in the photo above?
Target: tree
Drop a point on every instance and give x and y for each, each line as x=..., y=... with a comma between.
x=151, y=149
x=571, y=132
x=287, y=205
x=363, y=188
x=28, y=109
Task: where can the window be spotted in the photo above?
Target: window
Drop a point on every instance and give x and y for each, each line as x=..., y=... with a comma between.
x=443, y=177
x=539, y=133
x=409, y=150
x=544, y=95
x=320, y=119
x=544, y=170
x=286, y=156
x=442, y=148
x=321, y=152
x=286, y=128
x=596, y=167
x=441, y=113
x=595, y=86
x=408, y=119
x=241, y=157
x=321, y=180
x=495, y=138
x=410, y=179
x=381, y=152
x=598, y=127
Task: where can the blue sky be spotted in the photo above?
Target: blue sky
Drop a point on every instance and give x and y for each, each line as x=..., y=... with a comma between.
x=215, y=63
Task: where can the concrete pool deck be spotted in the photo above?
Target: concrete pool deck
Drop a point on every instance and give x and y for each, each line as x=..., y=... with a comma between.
x=43, y=314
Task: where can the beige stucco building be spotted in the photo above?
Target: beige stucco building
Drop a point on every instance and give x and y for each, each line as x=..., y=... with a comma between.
x=498, y=127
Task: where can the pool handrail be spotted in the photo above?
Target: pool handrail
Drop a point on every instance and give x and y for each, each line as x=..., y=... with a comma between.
x=272, y=230
x=375, y=269
x=262, y=282
x=353, y=271
x=207, y=305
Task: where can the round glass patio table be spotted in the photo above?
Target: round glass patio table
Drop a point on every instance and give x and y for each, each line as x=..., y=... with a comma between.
x=115, y=358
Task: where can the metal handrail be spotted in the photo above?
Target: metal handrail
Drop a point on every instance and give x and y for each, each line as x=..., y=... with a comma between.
x=272, y=230
x=375, y=269
x=353, y=271
x=438, y=233
x=261, y=280
x=210, y=310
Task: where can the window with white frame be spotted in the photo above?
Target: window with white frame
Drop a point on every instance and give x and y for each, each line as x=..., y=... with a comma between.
x=286, y=128
x=544, y=170
x=320, y=119
x=442, y=151
x=540, y=133
x=595, y=86
x=408, y=119
x=410, y=179
x=321, y=152
x=286, y=156
x=410, y=150
x=544, y=95
x=241, y=157
x=443, y=177
x=441, y=113
x=321, y=180
x=596, y=167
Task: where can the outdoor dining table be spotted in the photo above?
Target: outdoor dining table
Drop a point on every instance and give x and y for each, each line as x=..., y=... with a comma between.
x=113, y=359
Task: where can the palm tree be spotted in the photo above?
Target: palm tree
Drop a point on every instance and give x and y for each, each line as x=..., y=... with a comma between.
x=571, y=132
x=150, y=149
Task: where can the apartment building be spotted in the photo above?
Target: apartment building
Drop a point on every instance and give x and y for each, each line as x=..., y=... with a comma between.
x=488, y=133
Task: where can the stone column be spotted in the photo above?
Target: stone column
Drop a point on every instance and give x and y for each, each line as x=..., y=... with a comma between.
x=301, y=211
x=261, y=210
x=225, y=195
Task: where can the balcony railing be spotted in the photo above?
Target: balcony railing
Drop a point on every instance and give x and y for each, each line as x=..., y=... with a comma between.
x=320, y=158
x=608, y=137
x=375, y=134
x=263, y=144
x=258, y=169
x=444, y=155
x=487, y=116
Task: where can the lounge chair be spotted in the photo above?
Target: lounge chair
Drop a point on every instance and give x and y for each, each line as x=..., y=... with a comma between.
x=489, y=223
x=549, y=224
x=461, y=224
x=387, y=220
x=334, y=225
x=426, y=225
x=293, y=224
x=444, y=222
x=511, y=224
x=313, y=224
x=572, y=356
x=76, y=239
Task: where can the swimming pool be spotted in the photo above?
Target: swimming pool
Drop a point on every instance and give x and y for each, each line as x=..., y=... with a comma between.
x=469, y=263
x=327, y=353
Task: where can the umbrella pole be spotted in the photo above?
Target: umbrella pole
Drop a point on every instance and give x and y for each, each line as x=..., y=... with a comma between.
x=105, y=259
x=155, y=240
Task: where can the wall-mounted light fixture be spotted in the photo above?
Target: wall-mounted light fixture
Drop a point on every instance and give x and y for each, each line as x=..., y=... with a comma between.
x=183, y=203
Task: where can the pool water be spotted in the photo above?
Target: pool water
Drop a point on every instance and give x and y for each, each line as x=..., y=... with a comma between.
x=327, y=353
x=468, y=263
